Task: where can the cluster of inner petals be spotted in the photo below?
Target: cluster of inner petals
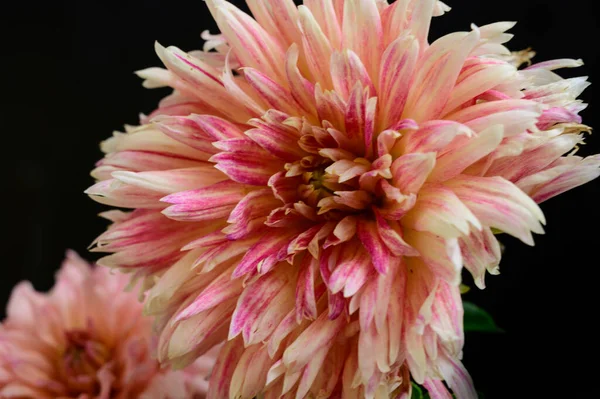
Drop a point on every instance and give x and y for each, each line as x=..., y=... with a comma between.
x=314, y=210
x=81, y=360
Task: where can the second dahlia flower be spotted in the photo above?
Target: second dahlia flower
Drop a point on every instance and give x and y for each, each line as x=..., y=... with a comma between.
x=87, y=339
x=313, y=187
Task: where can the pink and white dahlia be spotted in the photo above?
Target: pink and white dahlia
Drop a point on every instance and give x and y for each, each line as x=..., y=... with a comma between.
x=87, y=339
x=313, y=187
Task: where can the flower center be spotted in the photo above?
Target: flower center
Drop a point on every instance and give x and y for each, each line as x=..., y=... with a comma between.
x=83, y=357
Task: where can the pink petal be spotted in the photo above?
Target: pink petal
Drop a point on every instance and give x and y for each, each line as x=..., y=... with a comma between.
x=252, y=45
x=363, y=33
x=397, y=68
x=455, y=161
x=499, y=203
x=317, y=48
x=411, y=170
x=480, y=252
x=346, y=70
x=437, y=73
x=441, y=212
x=380, y=253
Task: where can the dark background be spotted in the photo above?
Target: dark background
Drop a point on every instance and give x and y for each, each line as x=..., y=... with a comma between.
x=67, y=82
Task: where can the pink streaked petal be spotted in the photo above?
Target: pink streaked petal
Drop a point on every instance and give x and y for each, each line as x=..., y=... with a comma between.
x=310, y=373
x=149, y=138
x=222, y=372
x=217, y=128
x=380, y=253
x=499, y=203
x=314, y=246
x=279, y=18
x=227, y=252
x=439, y=211
x=283, y=330
x=390, y=233
x=218, y=291
x=363, y=33
x=514, y=121
x=301, y=89
x=250, y=373
x=330, y=108
x=395, y=204
x=209, y=240
x=457, y=378
x=557, y=180
x=190, y=213
x=355, y=118
x=437, y=73
x=556, y=64
x=116, y=193
x=484, y=111
x=480, y=252
x=410, y=171
x=318, y=335
x=441, y=255
x=217, y=200
x=534, y=160
x=243, y=168
x=196, y=332
x=437, y=389
x=557, y=115
x=370, y=123
x=420, y=20
x=335, y=304
x=254, y=204
x=317, y=47
x=325, y=14
x=139, y=161
x=344, y=231
x=185, y=131
x=241, y=90
x=270, y=248
x=386, y=141
x=277, y=137
x=357, y=199
x=252, y=45
x=290, y=380
x=433, y=136
x=397, y=68
x=477, y=79
x=171, y=181
x=346, y=70
x=254, y=301
x=273, y=94
x=284, y=188
x=260, y=331
x=306, y=298
x=303, y=240
x=181, y=107
x=225, y=192
x=201, y=78
x=455, y=161
x=355, y=265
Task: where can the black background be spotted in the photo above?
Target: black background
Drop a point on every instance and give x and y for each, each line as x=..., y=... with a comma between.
x=67, y=82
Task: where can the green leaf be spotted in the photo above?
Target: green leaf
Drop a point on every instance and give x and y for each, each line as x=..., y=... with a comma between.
x=477, y=319
x=417, y=392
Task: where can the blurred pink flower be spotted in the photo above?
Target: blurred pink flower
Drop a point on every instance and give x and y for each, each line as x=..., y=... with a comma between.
x=314, y=209
x=87, y=339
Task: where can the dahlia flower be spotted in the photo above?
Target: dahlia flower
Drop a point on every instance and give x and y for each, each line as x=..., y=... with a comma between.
x=311, y=190
x=87, y=339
